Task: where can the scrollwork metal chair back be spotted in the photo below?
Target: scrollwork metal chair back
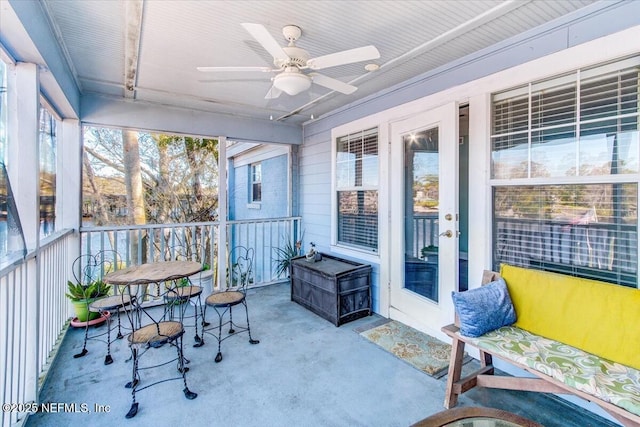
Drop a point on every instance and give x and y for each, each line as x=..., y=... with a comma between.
x=240, y=269
x=153, y=327
x=186, y=292
x=101, y=300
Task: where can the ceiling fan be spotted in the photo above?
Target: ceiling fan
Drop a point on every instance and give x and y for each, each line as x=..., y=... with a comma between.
x=290, y=62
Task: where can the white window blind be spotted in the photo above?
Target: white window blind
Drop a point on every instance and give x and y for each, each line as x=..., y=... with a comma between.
x=586, y=230
x=568, y=126
x=576, y=126
x=357, y=189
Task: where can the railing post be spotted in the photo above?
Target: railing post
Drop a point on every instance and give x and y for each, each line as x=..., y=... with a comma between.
x=222, y=212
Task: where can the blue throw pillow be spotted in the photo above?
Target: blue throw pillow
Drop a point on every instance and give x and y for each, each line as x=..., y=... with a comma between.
x=484, y=309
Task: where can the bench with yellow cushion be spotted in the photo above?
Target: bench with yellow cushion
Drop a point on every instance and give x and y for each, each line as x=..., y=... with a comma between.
x=575, y=335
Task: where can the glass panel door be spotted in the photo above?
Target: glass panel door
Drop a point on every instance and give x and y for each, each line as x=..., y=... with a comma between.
x=422, y=185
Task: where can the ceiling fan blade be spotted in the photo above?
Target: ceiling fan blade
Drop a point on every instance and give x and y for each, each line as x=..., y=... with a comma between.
x=262, y=36
x=333, y=84
x=350, y=56
x=235, y=69
x=273, y=93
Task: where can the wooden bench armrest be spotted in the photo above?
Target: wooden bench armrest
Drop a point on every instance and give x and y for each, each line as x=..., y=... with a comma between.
x=450, y=329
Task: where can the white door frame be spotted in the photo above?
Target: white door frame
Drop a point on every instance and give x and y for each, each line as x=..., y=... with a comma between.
x=404, y=305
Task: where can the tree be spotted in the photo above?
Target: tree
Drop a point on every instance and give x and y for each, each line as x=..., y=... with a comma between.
x=133, y=178
x=154, y=178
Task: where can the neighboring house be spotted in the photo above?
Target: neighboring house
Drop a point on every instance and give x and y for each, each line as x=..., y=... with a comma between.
x=260, y=187
x=259, y=181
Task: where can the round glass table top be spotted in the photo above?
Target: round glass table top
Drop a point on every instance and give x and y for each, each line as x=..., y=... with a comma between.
x=475, y=417
x=481, y=422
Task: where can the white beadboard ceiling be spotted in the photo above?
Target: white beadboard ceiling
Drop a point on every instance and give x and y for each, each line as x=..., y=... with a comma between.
x=154, y=46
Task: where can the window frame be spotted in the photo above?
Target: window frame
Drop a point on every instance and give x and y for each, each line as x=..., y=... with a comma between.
x=579, y=75
x=253, y=182
x=362, y=252
x=55, y=124
x=10, y=249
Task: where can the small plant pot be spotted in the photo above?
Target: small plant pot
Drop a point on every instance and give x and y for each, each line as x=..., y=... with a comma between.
x=95, y=322
x=82, y=310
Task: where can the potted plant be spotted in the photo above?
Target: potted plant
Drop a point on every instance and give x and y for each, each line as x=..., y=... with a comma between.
x=81, y=295
x=428, y=250
x=284, y=254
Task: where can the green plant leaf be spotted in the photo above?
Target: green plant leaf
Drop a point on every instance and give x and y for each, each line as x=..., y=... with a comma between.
x=284, y=254
x=78, y=291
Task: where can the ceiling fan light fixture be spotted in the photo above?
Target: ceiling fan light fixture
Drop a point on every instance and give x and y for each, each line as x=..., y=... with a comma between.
x=292, y=83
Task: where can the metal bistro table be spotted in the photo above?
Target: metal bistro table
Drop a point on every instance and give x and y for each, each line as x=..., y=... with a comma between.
x=143, y=275
x=155, y=272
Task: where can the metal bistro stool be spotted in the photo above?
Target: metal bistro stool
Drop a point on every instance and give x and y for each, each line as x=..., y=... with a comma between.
x=186, y=292
x=240, y=266
x=96, y=265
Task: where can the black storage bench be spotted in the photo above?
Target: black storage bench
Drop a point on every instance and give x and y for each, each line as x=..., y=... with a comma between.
x=336, y=289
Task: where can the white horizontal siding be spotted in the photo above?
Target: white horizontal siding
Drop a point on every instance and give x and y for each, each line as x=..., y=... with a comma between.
x=315, y=192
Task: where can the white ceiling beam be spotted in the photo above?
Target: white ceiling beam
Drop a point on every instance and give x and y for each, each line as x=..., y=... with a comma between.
x=133, y=25
x=118, y=112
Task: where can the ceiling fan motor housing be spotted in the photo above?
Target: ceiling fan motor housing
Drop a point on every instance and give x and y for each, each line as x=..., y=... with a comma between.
x=297, y=57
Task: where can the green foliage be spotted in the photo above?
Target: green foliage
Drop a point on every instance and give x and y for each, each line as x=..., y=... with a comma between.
x=185, y=281
x=284, y=254
x=79, y=292
x=428, y=249
x=428, y=203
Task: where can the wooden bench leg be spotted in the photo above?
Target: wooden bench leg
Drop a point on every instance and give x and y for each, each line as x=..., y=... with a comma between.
x=455, y=370
x=485, y=359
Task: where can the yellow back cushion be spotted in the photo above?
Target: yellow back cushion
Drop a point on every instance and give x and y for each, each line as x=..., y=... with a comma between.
x=597, y=317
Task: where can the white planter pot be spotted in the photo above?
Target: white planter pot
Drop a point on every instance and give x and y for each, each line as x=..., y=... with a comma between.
x=205, y=280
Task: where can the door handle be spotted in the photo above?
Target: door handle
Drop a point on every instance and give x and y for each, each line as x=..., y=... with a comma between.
x=447, y=233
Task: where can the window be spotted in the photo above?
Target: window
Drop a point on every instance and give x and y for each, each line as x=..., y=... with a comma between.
x=47, y=142
x=256, y=183
x=357, y=189
x=565, y=173
x=12, y=243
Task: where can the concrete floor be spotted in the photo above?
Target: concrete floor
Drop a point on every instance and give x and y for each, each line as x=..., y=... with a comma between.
x=304, y=372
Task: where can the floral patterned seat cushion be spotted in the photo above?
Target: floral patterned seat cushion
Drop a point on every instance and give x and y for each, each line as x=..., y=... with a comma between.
x=609, y=381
